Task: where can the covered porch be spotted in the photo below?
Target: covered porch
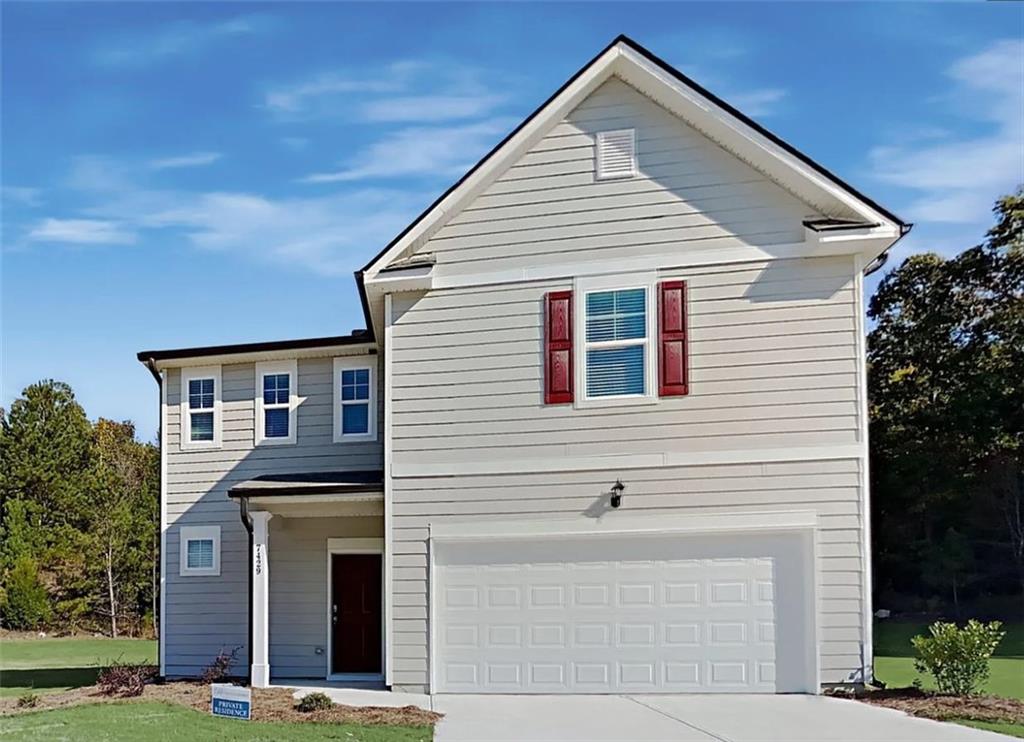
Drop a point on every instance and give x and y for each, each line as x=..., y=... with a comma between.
x=316, y=597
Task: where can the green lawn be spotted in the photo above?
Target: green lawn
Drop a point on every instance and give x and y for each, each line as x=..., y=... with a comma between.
x=58, y=664
x=894, y=663
x=1011, y=730
x=128, y=722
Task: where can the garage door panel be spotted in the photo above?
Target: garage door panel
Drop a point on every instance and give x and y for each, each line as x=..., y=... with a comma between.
x=689, y=614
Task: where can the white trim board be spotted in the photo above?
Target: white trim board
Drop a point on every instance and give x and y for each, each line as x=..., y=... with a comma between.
x=353, y=546
x=162, y=636
x=627, y=461
x=388, y=495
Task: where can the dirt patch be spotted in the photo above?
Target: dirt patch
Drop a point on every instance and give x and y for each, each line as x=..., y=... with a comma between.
x=935, y=706
x=268, y=704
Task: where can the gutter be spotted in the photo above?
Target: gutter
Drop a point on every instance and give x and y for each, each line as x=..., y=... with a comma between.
x=243, y=513
x=158, y=620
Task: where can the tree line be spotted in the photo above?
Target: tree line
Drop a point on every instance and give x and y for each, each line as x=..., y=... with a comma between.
x=79, y=518
x=79, y=501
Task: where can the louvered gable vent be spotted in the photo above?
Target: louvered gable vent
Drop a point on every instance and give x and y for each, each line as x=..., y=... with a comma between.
x=616, y=153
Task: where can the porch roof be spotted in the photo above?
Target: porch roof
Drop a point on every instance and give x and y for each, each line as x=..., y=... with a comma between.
x=311, y=483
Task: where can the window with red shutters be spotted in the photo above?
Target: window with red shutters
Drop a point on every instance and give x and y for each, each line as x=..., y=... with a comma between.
x=558, y=375
x=672, y=372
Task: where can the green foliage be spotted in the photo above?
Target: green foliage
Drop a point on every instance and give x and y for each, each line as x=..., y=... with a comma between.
x=79, y=501
x=314, y=702
x=947, y=419
x=957, y=658
x=25, y=602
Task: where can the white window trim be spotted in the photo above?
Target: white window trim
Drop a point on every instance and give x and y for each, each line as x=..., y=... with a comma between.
x=198, y=533
x=346, y=363
x=290, y=367
x=185, y=427
x=589, y=284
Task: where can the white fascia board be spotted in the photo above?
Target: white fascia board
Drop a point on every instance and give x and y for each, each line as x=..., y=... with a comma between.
x=616, y=524
x=226, y=359
x=735, y=135
x=543, y=120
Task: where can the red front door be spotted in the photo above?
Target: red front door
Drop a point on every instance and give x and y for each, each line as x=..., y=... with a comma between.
x=356, y=613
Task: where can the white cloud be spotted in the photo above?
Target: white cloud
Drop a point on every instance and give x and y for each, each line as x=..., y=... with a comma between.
x=756, y=103
x=956, y=180
x=428, y=151
x=429, y=107
x=82, y=232
x=175, y=39
x=22, y=195
x=301, y=97
x=195, y=159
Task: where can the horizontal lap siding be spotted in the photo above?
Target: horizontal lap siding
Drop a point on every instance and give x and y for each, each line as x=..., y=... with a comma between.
x=548, y=208
x=205, y=614
x=830, y=488
x=298, y=589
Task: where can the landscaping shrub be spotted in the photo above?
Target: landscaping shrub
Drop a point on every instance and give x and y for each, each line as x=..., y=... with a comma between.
x=26, y=604
x=220, y=668
x=314, y=702
x=957, y=658
x=28, y=700
x=125, y=679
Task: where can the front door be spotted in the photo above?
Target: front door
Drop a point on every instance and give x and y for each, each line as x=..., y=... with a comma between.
x=356, y=613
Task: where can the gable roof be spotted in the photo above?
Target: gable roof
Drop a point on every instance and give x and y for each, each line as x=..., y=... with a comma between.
x=737, y=133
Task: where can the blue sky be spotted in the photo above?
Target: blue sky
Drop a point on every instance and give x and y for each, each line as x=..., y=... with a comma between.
x=189, y=174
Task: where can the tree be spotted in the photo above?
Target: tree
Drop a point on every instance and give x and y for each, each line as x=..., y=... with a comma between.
x=120, y=533
x=947, y=409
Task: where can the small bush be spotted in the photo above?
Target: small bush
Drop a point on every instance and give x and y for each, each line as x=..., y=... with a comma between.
x=220, y=668
x=125, y=679
x=957, y=658
x=28, y=700
x=314, y=702
x=26, y=604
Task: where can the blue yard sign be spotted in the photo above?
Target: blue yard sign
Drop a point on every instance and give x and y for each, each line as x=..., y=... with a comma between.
x=230, y=700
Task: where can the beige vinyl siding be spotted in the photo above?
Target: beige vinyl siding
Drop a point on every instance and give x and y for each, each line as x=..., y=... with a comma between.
x=205, y=614
x=299, y=590
x=548, y=207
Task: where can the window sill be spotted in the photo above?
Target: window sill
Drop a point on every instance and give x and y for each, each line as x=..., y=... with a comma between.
x=632, y=401
x=356, y=438
x=200, y=445
x=199, y=573
x=290, y=441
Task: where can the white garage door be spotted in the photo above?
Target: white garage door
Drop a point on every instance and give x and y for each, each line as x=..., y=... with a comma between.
x=621, y=614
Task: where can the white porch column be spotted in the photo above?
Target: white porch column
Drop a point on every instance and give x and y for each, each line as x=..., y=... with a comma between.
x=260, y=650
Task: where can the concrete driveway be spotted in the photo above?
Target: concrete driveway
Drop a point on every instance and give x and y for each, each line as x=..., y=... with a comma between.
x=716, y=718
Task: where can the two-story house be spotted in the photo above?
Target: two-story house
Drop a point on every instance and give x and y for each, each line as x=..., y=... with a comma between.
x=606, y=429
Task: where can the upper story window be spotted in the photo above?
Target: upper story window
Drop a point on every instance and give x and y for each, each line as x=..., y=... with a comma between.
x=200, y=551
x=617, y=359
x=355, y=412
x=200, y=407
x=276, y=402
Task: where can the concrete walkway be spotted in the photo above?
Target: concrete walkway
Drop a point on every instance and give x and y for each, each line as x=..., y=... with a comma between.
x=679, y=718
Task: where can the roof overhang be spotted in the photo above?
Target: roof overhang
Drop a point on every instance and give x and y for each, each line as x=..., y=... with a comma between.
x=313, y=486
x=715, y=118
x=358, y=343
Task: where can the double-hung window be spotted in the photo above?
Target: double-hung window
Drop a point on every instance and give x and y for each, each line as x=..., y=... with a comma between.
x=276, y=402
x=617, y=364
x=354, y=395
x=200, y=407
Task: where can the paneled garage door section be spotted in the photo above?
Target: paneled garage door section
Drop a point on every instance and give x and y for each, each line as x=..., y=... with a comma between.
x=605, y=615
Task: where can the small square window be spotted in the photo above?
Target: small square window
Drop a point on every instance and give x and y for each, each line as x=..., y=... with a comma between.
x=200, y=553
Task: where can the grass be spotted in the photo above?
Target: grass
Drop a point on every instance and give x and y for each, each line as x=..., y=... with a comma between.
x=128, y=722
x=894, y=663
x=1011, y=730
x=46, y=665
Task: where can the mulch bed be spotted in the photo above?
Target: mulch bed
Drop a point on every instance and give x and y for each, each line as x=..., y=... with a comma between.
x=936, y=706
x=268, y=704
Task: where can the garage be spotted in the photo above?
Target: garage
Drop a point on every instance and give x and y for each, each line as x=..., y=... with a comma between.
x=629, y=611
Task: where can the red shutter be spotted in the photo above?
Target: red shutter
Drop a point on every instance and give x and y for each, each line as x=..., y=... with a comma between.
x=672, y=378
x=558, y=348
